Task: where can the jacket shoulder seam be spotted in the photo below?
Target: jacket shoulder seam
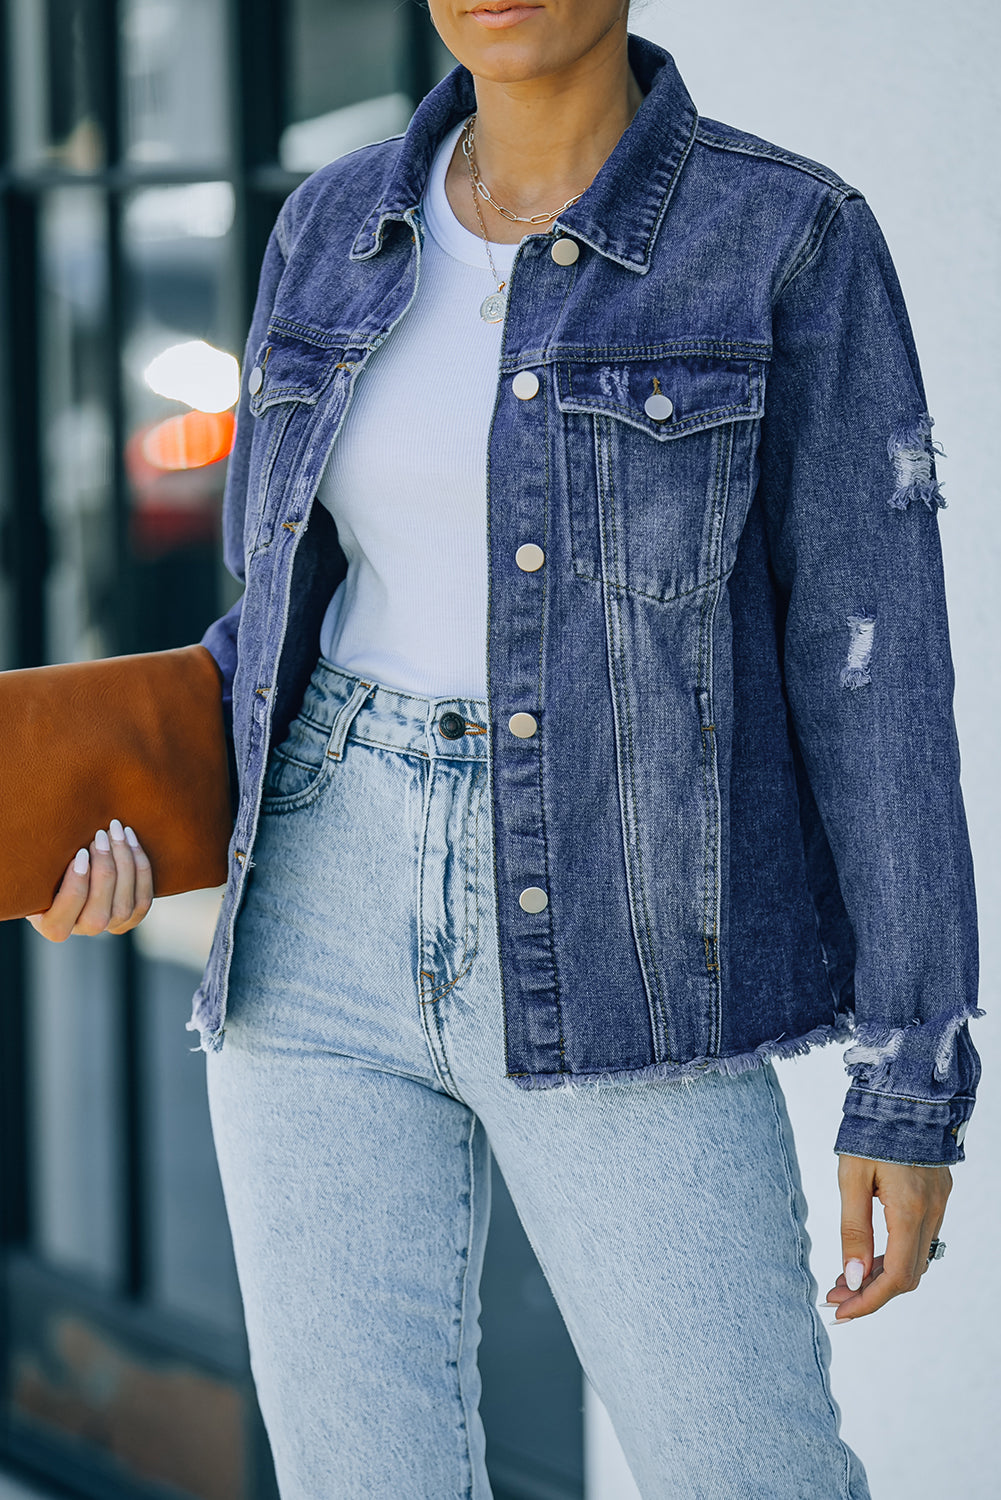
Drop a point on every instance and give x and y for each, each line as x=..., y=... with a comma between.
x=744, y=145
x=823, y=220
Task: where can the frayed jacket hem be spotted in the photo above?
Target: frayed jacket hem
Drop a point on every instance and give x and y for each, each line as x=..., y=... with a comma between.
x=208, y=1041
x=731, y=1066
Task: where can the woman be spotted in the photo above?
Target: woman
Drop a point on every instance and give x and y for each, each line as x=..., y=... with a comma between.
x=593, y=667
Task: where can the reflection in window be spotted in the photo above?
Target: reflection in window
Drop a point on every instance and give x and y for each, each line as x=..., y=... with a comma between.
x=341, y=54
x=75, y=1131
x=180, y=383
x=58, y=81
x=312, y=143
x=174, y=81
x=345, y=85
x=203, y=210
x=190, y=1257
x=77, y=424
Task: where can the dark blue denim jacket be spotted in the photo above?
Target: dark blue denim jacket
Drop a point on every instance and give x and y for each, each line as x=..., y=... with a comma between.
x=743, y=798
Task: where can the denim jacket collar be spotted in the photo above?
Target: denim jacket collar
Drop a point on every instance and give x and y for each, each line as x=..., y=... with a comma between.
x=619, y=214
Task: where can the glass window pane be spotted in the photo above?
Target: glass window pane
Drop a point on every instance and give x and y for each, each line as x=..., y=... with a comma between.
x=8, y=643
x=175, y=81
x=72, y=1068
x=180, y=385
x=191, y=1267
x=76, y=424
x=58, y=76
x=346, y=83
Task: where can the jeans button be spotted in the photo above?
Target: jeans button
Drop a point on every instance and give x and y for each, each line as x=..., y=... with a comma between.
x=452, y=726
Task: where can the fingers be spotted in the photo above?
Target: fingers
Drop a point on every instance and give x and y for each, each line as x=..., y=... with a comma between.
x=857, y=1183
x=142, y=889
x=935, y=1230
x=58, y=922
x=914, y=1199
x=96, y=911
x=841, y=1292
x=107, y=888
x=124, y=890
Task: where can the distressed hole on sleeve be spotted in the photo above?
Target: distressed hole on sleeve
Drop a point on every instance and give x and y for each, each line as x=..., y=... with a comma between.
x=855, y=672
x=912, y=453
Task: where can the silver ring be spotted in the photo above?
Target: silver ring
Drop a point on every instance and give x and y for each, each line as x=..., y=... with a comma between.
x=936, y=1250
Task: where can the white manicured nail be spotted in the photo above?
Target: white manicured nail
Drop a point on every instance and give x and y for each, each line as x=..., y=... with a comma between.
x=839, y=1322
x=102, y=841
x=117, y=831
x=854, y=1272
x=130, y=837
x=82, y=862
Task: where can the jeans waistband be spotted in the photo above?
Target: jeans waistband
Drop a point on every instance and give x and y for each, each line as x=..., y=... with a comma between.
x=371, y=712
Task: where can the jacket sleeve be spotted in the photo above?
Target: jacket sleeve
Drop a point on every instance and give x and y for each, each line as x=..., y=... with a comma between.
x=221, y=636
x=851, y=497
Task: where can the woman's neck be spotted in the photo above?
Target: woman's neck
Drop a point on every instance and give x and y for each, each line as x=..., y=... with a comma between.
x=539, y=143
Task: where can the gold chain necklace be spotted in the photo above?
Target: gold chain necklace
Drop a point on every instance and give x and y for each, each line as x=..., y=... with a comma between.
x=492, y=307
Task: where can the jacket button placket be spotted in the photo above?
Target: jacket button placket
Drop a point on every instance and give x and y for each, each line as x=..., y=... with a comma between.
x=519, y=585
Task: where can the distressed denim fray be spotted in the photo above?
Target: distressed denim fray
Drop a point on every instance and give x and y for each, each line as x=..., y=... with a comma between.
x=743, y=798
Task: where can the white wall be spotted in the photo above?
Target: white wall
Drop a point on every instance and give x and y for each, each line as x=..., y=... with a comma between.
x=900, y=98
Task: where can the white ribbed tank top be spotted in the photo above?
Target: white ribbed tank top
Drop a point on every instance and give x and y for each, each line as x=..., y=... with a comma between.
x=406, y=479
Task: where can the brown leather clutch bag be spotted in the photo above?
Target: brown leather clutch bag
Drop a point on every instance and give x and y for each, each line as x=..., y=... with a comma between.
x=139, y=738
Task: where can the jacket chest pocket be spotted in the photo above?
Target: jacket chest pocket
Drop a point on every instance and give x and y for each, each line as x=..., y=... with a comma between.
x=285, y=386
x=657, y=453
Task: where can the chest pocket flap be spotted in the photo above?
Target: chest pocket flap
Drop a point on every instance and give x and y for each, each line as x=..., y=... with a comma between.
x=292, y=369
x=666, y=397
x=659, y=464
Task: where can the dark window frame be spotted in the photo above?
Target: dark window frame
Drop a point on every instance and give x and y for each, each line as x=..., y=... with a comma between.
x=29, y=1289
x=255, y=43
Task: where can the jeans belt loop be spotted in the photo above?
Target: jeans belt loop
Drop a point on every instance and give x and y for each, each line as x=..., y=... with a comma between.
x=345, y=718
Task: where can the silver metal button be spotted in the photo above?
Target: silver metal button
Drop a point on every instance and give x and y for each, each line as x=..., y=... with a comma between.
x=523, y=725
x=529, y=557
x=658, y=407
x=565, y=252
x=256, y=380
x=533, y=898
x=525, y=385
x=960, y=1132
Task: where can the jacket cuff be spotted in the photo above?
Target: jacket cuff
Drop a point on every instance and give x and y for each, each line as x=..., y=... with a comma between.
x=895, y=1128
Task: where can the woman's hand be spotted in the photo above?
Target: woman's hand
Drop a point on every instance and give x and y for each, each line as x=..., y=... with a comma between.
x=913, y=1200
x=107, y=888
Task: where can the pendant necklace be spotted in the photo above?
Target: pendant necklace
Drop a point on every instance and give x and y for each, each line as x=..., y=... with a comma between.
x=492, y=307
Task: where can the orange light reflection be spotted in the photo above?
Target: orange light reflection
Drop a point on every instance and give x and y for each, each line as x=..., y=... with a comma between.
x=190, y=441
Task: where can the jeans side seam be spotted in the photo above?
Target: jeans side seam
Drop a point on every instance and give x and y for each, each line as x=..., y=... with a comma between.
x=463, y=1289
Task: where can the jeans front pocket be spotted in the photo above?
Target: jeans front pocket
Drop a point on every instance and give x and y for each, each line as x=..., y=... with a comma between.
x=298, y=768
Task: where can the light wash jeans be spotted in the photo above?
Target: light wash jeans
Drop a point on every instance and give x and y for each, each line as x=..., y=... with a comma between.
x=355, y=1103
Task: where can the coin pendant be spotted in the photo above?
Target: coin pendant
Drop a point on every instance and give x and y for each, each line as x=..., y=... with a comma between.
x=492, y=308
